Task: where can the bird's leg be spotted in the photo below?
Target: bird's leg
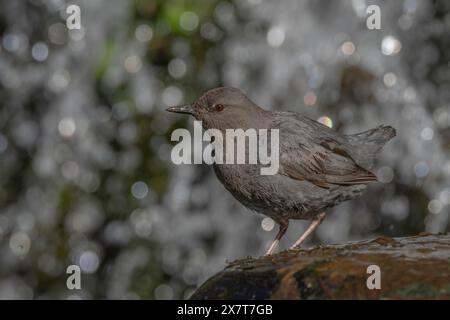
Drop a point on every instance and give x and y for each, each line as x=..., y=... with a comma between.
x=316, y=222
x=283, y=227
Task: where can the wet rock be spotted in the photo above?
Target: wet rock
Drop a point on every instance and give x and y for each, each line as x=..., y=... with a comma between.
x=410, y=268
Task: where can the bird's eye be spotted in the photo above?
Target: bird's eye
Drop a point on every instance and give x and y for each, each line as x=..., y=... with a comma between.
x=218, y=107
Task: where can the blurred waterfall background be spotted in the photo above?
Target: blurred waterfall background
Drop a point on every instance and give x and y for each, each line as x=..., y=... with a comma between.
x=85, y=170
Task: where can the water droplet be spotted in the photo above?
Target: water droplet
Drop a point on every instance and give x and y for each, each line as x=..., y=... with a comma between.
x=139, y=190
x=89, y=261
x=189, y=21
x=435, y=206
x=390, y=46
x=20, y=243
x=177, y=68
x=326, y=121
x=39, y=51
x=163, y=292
x=267, y=224
x=385, y=174
x=389, y=79
x=348, y=48
x=66, y=127
x=275, y=36
x=143, y=33
x=310, y=98
x=421, y=169
x=427, y=134
x=133, y=64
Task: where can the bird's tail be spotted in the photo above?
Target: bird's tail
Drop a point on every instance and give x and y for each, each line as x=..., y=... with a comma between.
x=370, y=142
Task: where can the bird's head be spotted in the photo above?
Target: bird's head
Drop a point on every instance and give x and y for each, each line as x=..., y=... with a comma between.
x=222, y=108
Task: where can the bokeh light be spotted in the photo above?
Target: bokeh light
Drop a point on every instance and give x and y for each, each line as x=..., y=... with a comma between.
x=86, y=176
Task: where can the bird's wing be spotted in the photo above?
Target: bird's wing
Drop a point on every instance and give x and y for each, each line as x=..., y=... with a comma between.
x=313, y=152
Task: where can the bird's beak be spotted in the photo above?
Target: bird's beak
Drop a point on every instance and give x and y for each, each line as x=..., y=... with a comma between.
x=182, y=109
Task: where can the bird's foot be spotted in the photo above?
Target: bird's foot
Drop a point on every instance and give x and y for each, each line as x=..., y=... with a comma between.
x=316, y=222
x=272, y=247
x=283, y=227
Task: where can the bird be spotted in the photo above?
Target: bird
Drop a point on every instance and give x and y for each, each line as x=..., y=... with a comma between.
x=318, y=167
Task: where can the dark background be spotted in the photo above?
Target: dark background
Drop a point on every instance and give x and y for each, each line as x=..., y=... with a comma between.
x=85, y=170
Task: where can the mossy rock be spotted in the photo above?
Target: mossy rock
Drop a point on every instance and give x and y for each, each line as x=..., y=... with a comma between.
x=410, y=268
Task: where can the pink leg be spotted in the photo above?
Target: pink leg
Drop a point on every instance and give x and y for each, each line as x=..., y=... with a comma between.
x=283, y=227
x=316, y=222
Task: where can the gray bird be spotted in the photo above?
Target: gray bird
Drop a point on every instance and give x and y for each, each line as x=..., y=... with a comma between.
x=318, y=167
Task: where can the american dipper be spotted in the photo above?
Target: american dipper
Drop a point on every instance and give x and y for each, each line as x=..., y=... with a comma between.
x=318, y=167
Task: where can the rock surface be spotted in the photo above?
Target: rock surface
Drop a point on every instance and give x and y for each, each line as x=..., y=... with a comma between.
x=411, y=268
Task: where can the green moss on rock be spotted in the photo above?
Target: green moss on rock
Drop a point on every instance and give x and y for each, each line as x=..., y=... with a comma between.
x=411, y=268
